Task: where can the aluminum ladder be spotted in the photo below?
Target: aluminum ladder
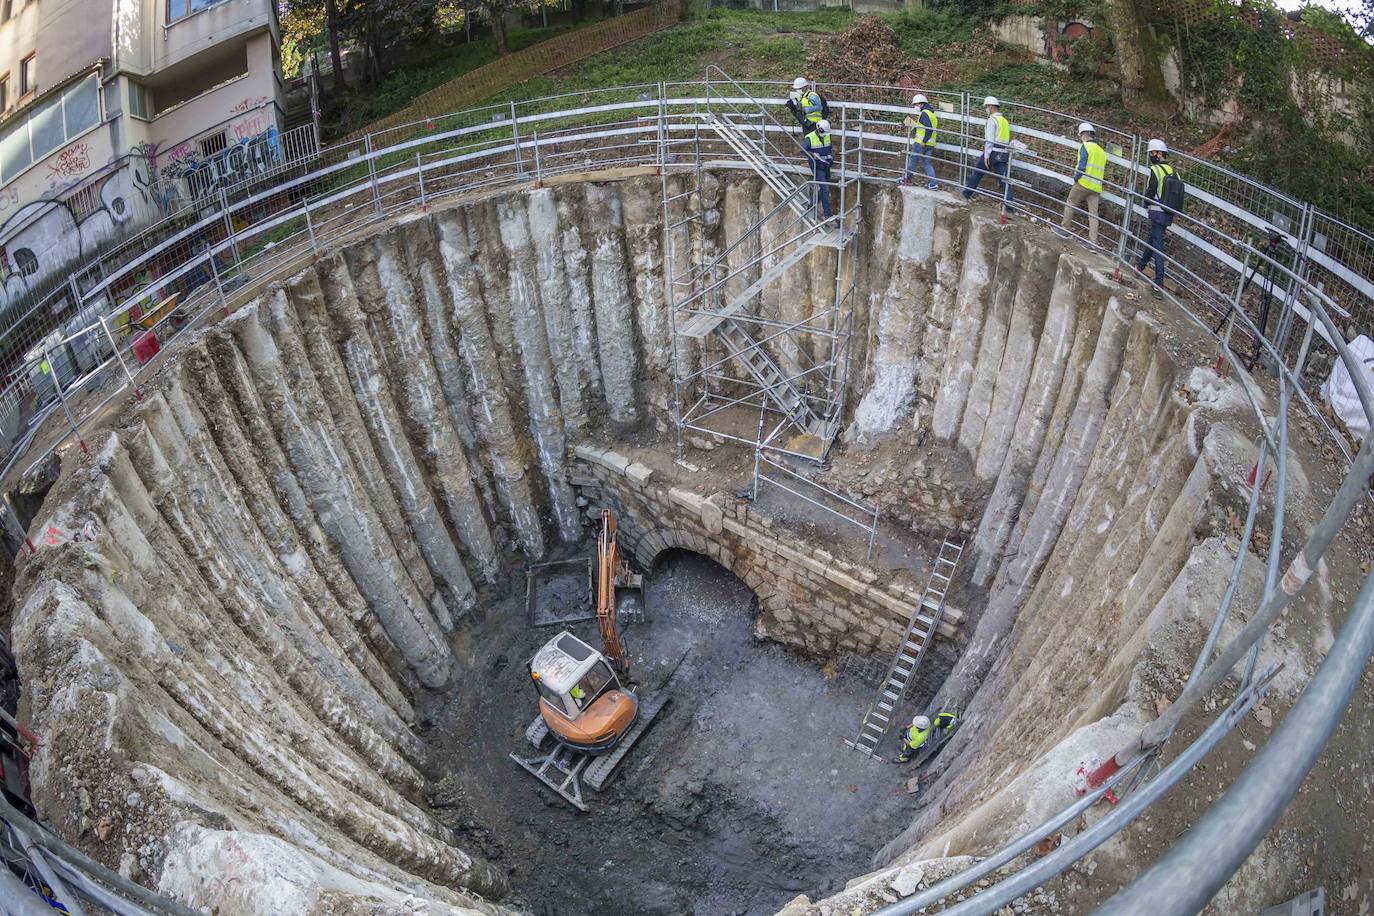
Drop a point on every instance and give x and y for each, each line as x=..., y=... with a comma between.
x=920, y=631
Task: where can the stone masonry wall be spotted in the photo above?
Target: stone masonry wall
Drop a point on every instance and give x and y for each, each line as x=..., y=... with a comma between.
x=808, y=598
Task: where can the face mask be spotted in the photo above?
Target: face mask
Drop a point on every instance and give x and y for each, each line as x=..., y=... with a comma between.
x=795, y=95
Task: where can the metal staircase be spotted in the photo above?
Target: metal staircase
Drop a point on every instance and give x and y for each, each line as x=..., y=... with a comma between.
x=920, y=630
x=733, y=366
x=782, y=182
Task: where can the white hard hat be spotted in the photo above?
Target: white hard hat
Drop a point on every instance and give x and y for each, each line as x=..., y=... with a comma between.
x=799, y=83
x=919, y=99
x=1085, y=128
x=1158, y=146
x=921, y=722
x=991, y=101
x=823, y=125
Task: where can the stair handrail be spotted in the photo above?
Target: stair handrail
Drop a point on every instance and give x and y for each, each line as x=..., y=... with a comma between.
x=745, y=236
x=768, y=115
x=715, y=285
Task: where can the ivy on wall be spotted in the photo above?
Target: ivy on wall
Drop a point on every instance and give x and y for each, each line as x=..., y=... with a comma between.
x=1290, y=134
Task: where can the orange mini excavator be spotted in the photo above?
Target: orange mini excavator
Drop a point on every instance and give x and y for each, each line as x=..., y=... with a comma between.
x=580, y=694
x=592, y=716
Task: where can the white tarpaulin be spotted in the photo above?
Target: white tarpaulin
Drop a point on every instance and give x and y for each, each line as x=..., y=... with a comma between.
x=1339, y=390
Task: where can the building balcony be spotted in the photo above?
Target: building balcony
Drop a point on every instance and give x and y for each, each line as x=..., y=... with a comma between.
x=191, y=29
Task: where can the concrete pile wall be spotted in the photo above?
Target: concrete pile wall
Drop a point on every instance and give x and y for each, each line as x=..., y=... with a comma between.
x=271, y=554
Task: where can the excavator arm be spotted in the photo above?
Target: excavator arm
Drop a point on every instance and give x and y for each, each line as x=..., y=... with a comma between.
x=612, y=570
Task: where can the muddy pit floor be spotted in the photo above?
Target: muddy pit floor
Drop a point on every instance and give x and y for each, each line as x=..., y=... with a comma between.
x=742, y=796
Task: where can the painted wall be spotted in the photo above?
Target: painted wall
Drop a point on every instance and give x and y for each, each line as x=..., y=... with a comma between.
x=18, y=38
x=193, y=34
x=70, y=36
x=247, y=110
x=128, y=173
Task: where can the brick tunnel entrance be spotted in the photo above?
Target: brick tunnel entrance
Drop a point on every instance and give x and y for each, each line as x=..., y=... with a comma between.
x=721, y=808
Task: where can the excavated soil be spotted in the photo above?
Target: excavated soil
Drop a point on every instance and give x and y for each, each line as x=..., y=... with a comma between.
x=741, y=796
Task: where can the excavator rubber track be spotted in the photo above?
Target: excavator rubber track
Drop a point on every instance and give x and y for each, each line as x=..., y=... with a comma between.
x=565, y=770
x=600, y=770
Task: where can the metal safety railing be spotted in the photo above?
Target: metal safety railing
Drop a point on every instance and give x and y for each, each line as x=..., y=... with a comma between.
x=1318, y=272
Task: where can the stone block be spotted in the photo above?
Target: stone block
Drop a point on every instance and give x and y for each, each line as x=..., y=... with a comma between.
x=589, y=453
x=686, y=499
x=844, y=581
x=712, y=517
x=638, y=474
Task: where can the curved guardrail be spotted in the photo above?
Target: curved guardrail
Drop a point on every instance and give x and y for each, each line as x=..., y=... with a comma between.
x=1312, y=268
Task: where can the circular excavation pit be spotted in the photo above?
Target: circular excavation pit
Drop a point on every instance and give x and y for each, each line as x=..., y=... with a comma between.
x=719, y=808
x=277, y=644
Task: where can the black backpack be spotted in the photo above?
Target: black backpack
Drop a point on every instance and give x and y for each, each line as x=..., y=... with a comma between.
x=825, y=106
x=1172, y=192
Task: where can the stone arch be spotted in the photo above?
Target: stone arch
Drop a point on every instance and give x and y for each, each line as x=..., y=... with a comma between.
x=661, y=540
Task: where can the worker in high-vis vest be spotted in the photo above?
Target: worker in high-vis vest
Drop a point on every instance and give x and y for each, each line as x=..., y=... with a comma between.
x=806, y=104
x=822, y=156
x=1160, y=215
x=924, y=128
x=996, y=150
x=915, y=737
x=1086, y=193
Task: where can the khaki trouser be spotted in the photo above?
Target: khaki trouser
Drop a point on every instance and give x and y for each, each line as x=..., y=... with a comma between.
x=1081, y=198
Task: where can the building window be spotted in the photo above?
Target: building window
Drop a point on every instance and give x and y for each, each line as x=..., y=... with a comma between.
x=4, y=92
x=45, y=127
x=26, y=262
x=26, y=75
x=215, y=143
x=180, y=9
x=141, y=101
x=84, y=202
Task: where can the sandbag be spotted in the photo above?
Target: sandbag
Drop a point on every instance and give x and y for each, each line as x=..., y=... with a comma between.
x=1339, y=389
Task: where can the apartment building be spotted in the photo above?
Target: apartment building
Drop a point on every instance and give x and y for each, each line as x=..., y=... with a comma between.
x=116, y=112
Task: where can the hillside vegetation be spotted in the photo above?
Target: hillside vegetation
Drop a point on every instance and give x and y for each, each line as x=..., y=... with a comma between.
x=1280, y=123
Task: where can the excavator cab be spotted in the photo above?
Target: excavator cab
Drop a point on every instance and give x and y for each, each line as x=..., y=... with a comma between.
x=581, y=698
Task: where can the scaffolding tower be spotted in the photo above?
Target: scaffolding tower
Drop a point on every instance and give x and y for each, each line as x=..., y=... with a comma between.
x=777, y=384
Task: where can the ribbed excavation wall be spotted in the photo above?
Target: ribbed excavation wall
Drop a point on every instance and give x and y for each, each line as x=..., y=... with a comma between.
x=278, y=549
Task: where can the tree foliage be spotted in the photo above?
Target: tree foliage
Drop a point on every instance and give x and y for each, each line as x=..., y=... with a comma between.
x=387, y=31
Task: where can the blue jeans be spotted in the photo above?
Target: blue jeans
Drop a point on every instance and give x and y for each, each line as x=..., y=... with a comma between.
x=920, y=155
x=821, y=173
x=980, y=168
x=1155, y=248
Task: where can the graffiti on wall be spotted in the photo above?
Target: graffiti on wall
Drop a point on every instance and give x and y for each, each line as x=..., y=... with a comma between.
x=245, y=157
x=248, y=104
x=60, y=229
x=72, y=162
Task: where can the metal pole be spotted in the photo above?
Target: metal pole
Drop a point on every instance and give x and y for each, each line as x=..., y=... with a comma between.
x=229, y=228
x=309, y=228
x=114, y=345
x=49, y=874
x=62, y=396
x=219, y=287
x=515, y=136
x=420, y=176
x=1127, y=200
x=372, y=176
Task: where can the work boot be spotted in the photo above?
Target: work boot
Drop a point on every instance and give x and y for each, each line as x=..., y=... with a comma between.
x=932, y=186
